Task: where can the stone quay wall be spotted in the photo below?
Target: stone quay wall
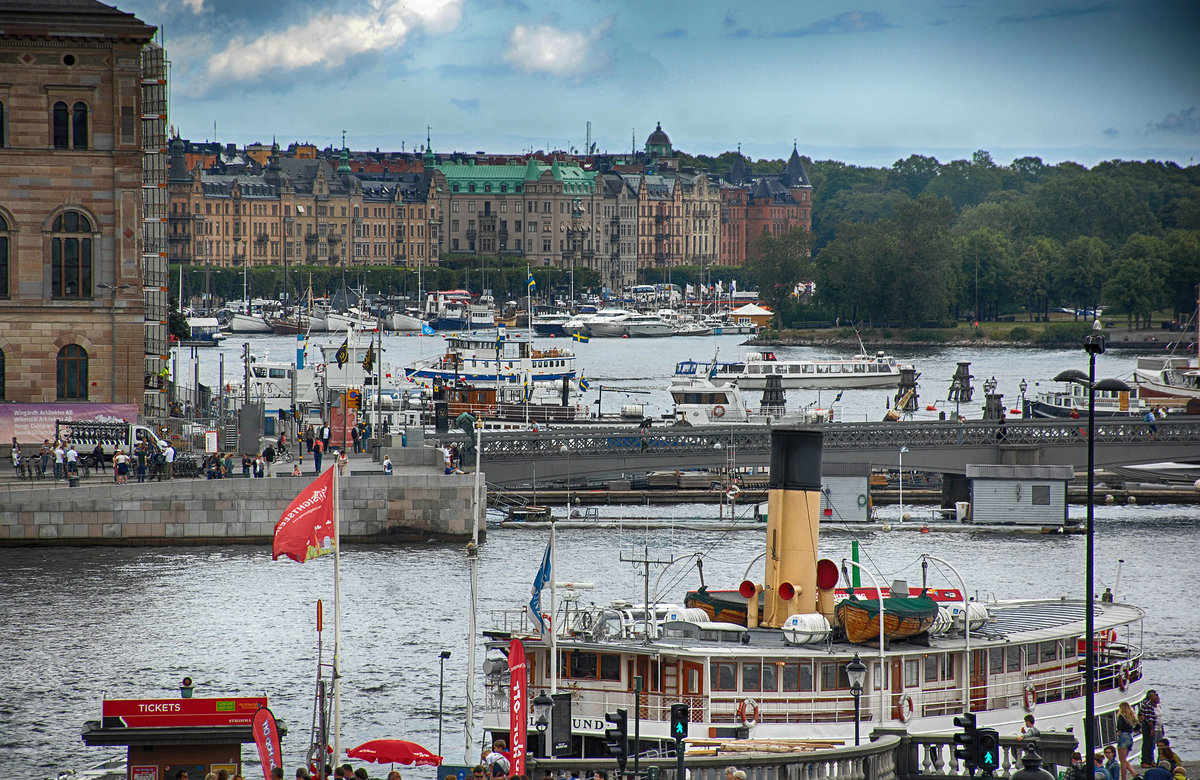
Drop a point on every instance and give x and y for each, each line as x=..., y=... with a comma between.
x=198, y=511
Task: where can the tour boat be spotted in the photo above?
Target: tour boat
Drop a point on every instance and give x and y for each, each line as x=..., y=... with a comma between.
x=701, y=401
x=630, y=324
x=751, y=373
x=774, y=665
x=483, y=357
x=1072, y=401
x=1171, y=376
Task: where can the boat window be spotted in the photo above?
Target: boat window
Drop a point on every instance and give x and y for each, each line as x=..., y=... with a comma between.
x=809, y=368
x=912, y=673
x=859, y=368
x=751, y=676
x=835, y=369
x=691, y=678
x=610, y=667
x=996, y=660
x=931, y=668
x=277, y=373
x=260, y=372
x=724, y=677
x=770, y=678
x=948, y=667
x=1012, y=659
x=833, y=677
x=794, y=369
x=822, y=369
x=876, y=676
x=797, y=677
x=1047, y=651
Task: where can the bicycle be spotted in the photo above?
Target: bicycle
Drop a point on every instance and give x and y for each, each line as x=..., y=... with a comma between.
x=283, y=454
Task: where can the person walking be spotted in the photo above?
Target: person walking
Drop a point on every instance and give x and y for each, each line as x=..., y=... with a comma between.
x=121, y=467
x=60, y=460
x=326, y=434
x=308, y=439
x=1148, y=717
x=1127, y=723
x=268, y=457
x=169, y=461
x=317, y=451
x=354, y=439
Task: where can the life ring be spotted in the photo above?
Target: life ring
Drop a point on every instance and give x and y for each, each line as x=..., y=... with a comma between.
x=905, y=707
x=1123, y=677
x=718, y=411
x=320, y=368
x=862, y=500
x=1030, y=697
x=732, y=492
x=748, y=712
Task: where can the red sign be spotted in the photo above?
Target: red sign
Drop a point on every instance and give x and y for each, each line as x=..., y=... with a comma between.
x=518, y=705
x=173, y=713
x=266, y=737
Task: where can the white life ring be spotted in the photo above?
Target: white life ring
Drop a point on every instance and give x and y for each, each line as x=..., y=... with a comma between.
x=905, y=707
x=1030, y=697
x=732, y=492
x=748, y=712
x=718, y=411
x=1123, y=676
x=320, y=368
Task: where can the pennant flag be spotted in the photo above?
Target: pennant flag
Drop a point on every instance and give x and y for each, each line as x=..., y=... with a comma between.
x=369, y=361
x=535, y=595
x=583, y=384
x=839, y=397
x=426, y=329
x=530, y=282
x=266, y=736
x=582, y=339
x=305, y=530
x=343, y=353
x=712, y=372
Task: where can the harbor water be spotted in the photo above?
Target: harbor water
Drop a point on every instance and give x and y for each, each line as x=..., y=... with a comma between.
x=82, y=624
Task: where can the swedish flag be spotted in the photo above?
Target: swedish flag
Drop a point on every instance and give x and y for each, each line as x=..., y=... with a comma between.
x=582, y=339
x=583, y=384
x=530, y=282
x=343, y=354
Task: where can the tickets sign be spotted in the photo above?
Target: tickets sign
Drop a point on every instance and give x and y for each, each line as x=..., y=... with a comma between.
x=175, y=713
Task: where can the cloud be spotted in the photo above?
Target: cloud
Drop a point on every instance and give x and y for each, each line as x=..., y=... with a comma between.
x=543, y=48
x=332, y=39
x=731, y=26
x=195, y=6
x=1186, y=122
x=1055, y=14
x=466, y=105
x=843, y=23
x=1112, y=132
x=678, y=32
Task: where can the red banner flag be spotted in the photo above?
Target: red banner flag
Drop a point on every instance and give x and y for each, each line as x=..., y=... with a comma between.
x=518, y=708
x=306, y=528
x=266, y=736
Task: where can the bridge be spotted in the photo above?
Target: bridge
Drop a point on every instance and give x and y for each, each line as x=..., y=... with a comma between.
x=513, y=458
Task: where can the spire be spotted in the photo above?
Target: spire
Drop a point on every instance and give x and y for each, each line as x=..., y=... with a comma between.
x=532, y=171
x=428, y=156
x=343, y=168
x=555, y=171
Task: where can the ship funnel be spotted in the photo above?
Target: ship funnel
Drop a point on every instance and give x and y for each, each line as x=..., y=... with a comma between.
x=793, y=516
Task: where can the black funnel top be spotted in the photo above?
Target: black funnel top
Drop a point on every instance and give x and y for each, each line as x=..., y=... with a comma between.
x=796, y=459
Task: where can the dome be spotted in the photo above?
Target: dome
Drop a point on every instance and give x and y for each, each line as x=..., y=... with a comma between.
x=658, y=137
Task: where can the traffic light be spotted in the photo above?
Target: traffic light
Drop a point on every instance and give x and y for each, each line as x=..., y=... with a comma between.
x=967, y=746
x=679, y=721
x=987, y=750
x=652, y=773
x=617, y=737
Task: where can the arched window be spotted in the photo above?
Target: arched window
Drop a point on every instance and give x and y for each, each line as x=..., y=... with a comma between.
x=62, y=138
x=71, y=256
x=4, y=263
x=79, y=126
x=72, y=373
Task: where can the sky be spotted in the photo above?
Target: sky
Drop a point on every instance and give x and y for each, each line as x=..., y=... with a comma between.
x=865, y=83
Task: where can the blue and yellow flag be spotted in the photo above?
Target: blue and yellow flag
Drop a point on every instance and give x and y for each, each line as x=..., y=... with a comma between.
x=530, y=283
x=583, y=384
x=582, y=339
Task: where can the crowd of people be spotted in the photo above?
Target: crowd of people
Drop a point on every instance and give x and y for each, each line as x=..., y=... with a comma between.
x=1158, y=761
x=63, y=459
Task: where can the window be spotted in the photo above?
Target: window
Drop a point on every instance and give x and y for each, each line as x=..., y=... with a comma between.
x=71, y=256
x=1012, y=659
x=833, y=677
x=724, y=676
x=3, y=259
x=70, y=130
x=751, y=677
x=931, y=668
x=72, y=373
x=61, y=133
x=1041, y=495
x=911, y=673
x=2, y=397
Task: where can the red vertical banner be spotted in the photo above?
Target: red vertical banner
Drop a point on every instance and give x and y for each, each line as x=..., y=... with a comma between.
x=518, y=704
x=266, y=736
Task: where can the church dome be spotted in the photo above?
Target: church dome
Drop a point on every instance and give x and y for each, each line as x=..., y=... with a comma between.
x=658, y=137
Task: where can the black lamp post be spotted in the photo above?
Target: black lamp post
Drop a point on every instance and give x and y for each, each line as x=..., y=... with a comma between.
x=1093, y=345
x=856, y=671
x=542, y=705
x=442, y=656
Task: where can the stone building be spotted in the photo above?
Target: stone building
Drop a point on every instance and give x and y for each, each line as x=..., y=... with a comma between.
x=83, y=276
x=752, y=204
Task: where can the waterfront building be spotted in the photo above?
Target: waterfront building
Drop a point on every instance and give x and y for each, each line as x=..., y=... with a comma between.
x=752, y=204
x=83, y=276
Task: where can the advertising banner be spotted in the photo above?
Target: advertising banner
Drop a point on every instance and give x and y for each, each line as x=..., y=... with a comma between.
x=33, y=423
x=266, y=737
x=517, y=705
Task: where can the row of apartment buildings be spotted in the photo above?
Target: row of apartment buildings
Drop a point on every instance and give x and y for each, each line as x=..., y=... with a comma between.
x=615, y=215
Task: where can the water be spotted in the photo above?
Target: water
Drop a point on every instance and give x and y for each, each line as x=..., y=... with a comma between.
x=81, y=624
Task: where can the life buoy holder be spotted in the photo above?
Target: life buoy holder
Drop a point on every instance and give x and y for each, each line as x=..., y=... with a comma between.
x=718, y=411
x=1030, y=697
x=320, y=368
x=748, y=712
x=1123, y=677
x=862, y=500
x=905, y=707
x=732, y=492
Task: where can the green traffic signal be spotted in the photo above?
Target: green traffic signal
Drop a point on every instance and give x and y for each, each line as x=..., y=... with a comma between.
x=679, y=721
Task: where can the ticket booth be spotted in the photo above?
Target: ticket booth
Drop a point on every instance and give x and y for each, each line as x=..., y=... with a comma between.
x=167, y=736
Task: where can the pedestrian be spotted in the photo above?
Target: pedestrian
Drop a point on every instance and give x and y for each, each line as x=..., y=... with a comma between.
x=1150, y=418
x=1111, y=765
x=260, y=467
x=295, y=469
x=97, y=455
x=317, y=451
x=268, y=457
x=276, y=773
x=360, y=774
x=1148, y=717
x=60, y=460
x=140, y=457
x=1165, y=753
x=302, y=773
x=1029, y=729
x=498, y=757
x=448, y=459
x=325, y=435
x=247, y=464
x=1098, y=770
x=45, y=455
x=387, y=465
x=1161, y=771
x=393, y=775
x=354, y=438
x=72, y=461
x=169, y=461
x=1127, y=723
x=121, y=467
x=341, y=462
x=308, y=439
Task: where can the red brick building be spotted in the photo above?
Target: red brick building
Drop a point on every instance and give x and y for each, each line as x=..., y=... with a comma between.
x=755, y=203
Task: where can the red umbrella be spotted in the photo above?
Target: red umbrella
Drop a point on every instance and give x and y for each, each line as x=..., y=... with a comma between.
x=394, y=751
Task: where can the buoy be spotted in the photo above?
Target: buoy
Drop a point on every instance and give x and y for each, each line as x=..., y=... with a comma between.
x=1131, y=500
x=906, y=517
x=1108, y=498
x=1196, y=484
x=924, y=529
x=887, y=526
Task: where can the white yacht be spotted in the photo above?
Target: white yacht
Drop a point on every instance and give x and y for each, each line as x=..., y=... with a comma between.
x=619, y=323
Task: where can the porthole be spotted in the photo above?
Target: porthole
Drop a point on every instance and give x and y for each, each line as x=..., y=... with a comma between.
x=69, y=60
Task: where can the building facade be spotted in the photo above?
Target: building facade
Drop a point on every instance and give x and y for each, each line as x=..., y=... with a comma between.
x=752, y=204
x=82, y=276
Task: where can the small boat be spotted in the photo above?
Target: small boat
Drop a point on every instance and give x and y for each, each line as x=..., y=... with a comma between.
x=485, y=357
x=1171, y=376
x=203, y=332
x=597, y=320
x=751, y=373
x=904, y=617
x=1072, y=401
x=630, y=324
x=550, y=324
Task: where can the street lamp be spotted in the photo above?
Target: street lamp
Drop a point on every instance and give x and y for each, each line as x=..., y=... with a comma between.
x=1093, y=345
x=901, y=473
x=1024, y=386
x=856, y=670
x=542, y=705
x=442, y=656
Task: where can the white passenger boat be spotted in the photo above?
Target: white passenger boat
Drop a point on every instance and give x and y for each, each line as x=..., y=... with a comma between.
x=600, y=318
x=489, y=357
x=351, y=319
x=769, y=659
x=880, y=370
x=701, y=401
x=630, y=324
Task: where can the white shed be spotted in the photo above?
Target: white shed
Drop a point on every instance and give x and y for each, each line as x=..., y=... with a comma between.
x=1019, y=495
x=845, y=492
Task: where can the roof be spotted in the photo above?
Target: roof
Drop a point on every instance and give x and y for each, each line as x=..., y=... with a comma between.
x=658, y=137
x=751, y=309
x=70, y=19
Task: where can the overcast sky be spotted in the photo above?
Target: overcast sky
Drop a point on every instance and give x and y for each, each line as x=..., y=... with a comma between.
x=863, y=83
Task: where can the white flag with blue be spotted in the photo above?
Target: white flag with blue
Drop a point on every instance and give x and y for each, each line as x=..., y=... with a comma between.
x=535, y=598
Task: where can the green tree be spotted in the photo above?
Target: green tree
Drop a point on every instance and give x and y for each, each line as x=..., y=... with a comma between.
x=988, y=270
x=778, y=264
x=1182, y=253
x=1080, y=275
x=1135, y=284
x=914, y=173
x=1034, y=275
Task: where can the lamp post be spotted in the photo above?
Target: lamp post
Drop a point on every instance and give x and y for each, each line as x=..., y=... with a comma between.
x=901, y=474
x=542, y=705
x=1024, y=386
x=1093, y=345
x=442, y=656
x=856, y=670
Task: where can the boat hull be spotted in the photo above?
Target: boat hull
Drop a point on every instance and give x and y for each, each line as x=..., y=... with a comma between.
x=814, y=382
x=249, y=323
x=860, y=619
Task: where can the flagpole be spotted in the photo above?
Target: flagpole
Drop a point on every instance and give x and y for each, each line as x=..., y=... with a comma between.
x=473, y=553
x=529, y=304
x=337, y=618
x=553, y=616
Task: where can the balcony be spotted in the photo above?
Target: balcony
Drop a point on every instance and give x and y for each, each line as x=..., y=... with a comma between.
x=661, y=217
x=471, y=233
x=311, y=238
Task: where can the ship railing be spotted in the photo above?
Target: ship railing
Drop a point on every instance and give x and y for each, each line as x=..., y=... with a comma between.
x=870, y=761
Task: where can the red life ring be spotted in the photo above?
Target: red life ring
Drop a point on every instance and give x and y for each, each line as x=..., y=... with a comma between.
x=905, y=708
x=320, y=368
x=718, y=411
x=748, y=712
x=1123, y=677
x=1030, y=697
x=732, y=492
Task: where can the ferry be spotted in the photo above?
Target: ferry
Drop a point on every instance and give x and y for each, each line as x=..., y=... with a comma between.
x=493, y=357
x=768, y=660
x=1113, y=399
x=751, y=373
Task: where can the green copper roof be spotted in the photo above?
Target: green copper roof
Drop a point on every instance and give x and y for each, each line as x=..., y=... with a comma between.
x=514, y=175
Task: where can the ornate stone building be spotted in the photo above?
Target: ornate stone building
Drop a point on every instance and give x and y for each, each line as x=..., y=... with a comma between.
x=754, y=203
x=82, y=257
